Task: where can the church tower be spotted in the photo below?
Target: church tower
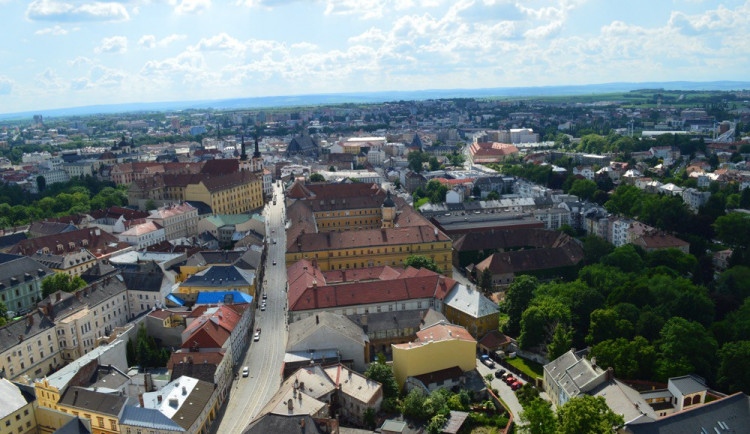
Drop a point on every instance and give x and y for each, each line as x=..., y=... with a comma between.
x=244, y=163
x=257, y=163
x=389, y=211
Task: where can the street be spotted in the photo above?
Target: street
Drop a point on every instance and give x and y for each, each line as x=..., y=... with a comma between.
x=504, y=391
x=264, y=358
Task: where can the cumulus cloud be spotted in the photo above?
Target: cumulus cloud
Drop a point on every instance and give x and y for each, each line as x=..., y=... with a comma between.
x=68, y=11
x=54, y=31
x=113, y=45
x=50, y=80
x=220, y=42
x=190, y=6
x=6, y=85
x=150, y=41
x=80, y=61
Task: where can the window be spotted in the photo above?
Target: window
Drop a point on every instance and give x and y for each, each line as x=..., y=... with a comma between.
x=101, y=421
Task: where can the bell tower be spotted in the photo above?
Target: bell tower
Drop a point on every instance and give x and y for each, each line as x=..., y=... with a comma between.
x=388, y=210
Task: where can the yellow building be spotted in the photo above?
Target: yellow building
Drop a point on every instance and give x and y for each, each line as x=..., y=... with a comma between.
x=102, y=409
x=371, y=248
x=440, y=346
x=16, y=410
x=470, y=309
x=234, y=193
x=217, y=278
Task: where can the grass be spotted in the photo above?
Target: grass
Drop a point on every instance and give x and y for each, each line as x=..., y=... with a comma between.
x=528, y=367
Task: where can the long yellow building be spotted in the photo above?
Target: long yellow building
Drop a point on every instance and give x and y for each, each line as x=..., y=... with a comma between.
x=343, y=226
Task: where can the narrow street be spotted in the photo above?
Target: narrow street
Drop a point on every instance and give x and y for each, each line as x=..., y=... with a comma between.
x=264, y=358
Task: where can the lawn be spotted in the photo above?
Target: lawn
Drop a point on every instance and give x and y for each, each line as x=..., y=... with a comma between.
x=528, y=367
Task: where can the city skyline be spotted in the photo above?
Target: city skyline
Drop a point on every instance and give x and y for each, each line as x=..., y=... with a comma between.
x=74, y=53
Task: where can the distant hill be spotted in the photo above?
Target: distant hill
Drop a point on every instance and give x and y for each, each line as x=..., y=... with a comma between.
x=377, y=97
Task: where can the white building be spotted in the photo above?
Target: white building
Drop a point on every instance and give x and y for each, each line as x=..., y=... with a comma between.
x=294, y=169
x=619, y=232
x=455, y=195
x=361, y=175
x=178, y=220
x=143, y=235
x=694, y=198
x=553, y=218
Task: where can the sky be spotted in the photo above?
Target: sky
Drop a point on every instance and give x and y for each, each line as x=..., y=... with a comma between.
x=69, y=53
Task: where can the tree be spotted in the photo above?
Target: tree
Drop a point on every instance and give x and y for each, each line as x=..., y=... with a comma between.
x=583, y=188
x=413, y=405
x=686, y=348
x=630, y=359
x=416, y=159
x=594, y=248
x=539, y=321
x=562, y=340
x=485, y=281
x=493, y=195
x=317, y=177
x=527, y=393
x=517, y=300
x=434, y=163
x=626, y=258
x=733, y=374
x=420, y=261
x=41, y=183
x=3, y=314
x=61, y=282
x=150, y=204
x=587, y=414
x=383, y=374
x=130, y=353
x=538, y=418
x=436, y=424
x=607, y=324
x=369, y=417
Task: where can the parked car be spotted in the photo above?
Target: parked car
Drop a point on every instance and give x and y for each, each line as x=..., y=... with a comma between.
x=509, y=380
x=274, y=262
x=499, y=373
x=265, y=296
x=256, y=338
x=487, y=361
x=245, y=371
x=263, y=307
x=515, y=386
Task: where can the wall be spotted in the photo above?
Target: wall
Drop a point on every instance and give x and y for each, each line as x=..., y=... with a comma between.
x=431, y=357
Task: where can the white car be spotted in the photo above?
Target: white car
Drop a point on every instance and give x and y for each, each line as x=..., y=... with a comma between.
x=245, y=371
x=256, y=337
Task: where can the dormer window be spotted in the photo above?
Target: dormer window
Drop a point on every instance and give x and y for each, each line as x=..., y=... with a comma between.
x=60, y=248
x=71, y=245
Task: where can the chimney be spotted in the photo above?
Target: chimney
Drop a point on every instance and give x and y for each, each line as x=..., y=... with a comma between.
x=58, y=294
x=30, y=320
x=140, y=399
x=317, y=320
x=610, y=373
x=159, y=398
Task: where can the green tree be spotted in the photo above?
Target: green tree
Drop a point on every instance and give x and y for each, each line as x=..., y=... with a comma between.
x=625, y=200
x=626, y=258
x=562, y=340
x=434, y=163
x=607, y=324
x=493, y=195
x=538, y=418
x=436, y=424
x=369, y=417
x=539, y=321
x=3, y=314
x=594, y=248
x=517, y=300
x=630, y=359
x=61, y=282
x=317, y=177
x=733, y=375
x=41, y=183
x=416, y=159
x=583, y=188
x=421, y=261
x=413, y=405
x=150, y=204
x=130, y=353
x=527, y=393
x=382, y=373
x=485, y=281
x=686, y=347
x=587, y=414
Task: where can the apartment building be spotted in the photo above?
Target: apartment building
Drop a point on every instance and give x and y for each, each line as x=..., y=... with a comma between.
x=178, y=220
x=20, y=282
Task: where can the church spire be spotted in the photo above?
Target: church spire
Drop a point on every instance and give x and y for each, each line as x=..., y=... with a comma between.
x=243, y=155
x=256, y=154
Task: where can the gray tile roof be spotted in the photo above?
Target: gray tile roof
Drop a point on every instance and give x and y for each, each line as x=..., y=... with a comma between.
x=688, y=384
x=103, y=403
x=302, y=329
x=15, y=269
x=276, y=423
x=23, y=329
x=471, y=302
x=220, y=276
x=147, y=418
x=727, y=415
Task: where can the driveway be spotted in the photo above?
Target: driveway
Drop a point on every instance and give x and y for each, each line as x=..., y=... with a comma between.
x=503, y=390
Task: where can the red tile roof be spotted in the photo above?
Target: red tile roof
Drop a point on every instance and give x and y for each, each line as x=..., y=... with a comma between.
x=210, y=335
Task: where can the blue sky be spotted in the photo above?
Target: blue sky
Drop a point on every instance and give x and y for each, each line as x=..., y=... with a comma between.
x=65, y=53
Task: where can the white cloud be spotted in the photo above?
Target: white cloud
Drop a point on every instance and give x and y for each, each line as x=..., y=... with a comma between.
x=99, y=76
x=147, y=41
x=190, y=6
x=6, y=85
x=113, y=45
x=68, y=11
x=220, y=42
x=713, y=20
x=50, y=80
x=80, y=61
x=150, y=41
x=54, y=31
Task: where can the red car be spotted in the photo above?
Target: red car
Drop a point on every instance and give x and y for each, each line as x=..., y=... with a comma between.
x=515, y=386
x=509, y=380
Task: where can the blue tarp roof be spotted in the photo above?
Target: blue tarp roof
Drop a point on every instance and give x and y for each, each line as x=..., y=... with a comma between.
x=226, y=297
x=175, y=299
